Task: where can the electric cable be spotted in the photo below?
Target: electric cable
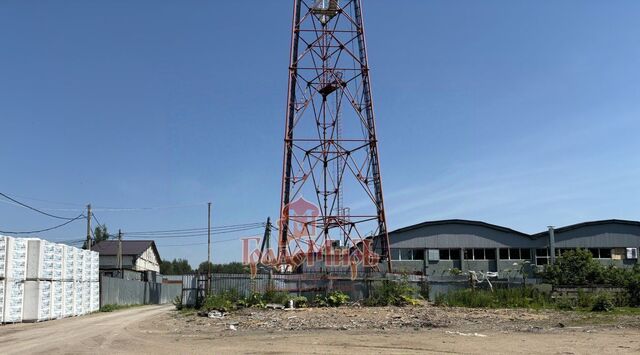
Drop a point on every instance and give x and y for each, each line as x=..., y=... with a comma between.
x=46, y=229
x=34, y=209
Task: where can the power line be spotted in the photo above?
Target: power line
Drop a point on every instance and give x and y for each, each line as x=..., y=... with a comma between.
x=204, y=243
x=133, y=209
x=35, y=209
x=199, y=230
x=201, y=234
x=93, y=215
x=53, y=202
x=46, y=229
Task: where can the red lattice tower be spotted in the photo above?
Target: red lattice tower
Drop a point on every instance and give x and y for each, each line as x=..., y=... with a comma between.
x=331, y=149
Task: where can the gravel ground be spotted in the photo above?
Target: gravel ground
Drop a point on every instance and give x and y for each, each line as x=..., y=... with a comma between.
x=398, y=318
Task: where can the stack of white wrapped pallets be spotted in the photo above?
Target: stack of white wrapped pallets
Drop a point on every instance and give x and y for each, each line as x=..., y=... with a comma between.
x=94, y=278
x=41, y=280
x=13, y=256
x=37, y=301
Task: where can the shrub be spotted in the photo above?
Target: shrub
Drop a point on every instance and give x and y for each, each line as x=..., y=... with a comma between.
x=603, y=303
x=566, y=303
x=177, y=302
x=255, y=299
x=320, y=301
x=300, y=302
x=219, y=302
x=575, y=267
x=337, y=298
x=391, y=292
x=525, y=297
x=279, y=297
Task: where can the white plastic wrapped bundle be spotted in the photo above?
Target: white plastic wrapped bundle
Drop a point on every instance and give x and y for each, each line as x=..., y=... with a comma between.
x=16, y=258
x=37, y=301
x=58, y=253
x=95, y=267
x=78, y=299
x=95, y=297
x=68, y=299
x=14, y=296
x=3, y=258
x=40, y=259
x=79, y=267
x=88, y=260
x=86, y=297
x=2, y=300
x=57, y=303
x=69, y=263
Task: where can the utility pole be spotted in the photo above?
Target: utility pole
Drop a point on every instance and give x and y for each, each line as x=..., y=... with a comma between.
x=89, y=227
x=208, y=247
x=120, y=253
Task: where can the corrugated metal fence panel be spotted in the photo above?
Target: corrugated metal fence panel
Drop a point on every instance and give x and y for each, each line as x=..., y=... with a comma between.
x=307, y=285
x=124, y=292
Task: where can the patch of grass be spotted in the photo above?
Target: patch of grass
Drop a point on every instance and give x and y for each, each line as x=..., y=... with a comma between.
x=117, y=307
x=187, y=311
x=501, y=298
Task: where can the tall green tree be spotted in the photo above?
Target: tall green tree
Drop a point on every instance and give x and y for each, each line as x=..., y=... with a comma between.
x=101, y=233
x=166, y=267
x=229, y=268
x=181, y=266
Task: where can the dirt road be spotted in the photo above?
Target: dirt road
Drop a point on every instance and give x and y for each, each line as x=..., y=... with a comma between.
x=96, y=333
x=161, y=330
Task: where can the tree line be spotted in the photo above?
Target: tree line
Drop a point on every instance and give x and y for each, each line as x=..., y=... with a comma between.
x=182, y=266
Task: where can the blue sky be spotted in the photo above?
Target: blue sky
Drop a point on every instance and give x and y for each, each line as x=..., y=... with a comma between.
x=519, y=113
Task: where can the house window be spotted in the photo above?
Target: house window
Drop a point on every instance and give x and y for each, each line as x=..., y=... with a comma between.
x=490, y=254
x=504, y=253
x=395, y=254
x=478, y=254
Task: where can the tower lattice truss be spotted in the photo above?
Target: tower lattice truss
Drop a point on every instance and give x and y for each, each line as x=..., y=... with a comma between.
x=331, y=150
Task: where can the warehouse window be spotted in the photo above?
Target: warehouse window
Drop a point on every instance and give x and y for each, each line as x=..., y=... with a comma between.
x=542, y=256
x=450, y=254
x=480, y=254
x=515, y=253
x=395, y=254
x=605, y=253
x=407, y=254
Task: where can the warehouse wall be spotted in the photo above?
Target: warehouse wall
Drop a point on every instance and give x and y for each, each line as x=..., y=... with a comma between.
x=127, y=292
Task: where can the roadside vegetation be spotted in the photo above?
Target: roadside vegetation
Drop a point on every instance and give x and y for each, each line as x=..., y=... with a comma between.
x=574, y=269
x=117, y=307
